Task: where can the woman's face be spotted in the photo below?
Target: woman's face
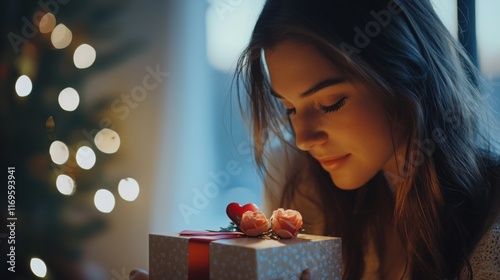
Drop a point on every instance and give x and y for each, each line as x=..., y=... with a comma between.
x=339, y=122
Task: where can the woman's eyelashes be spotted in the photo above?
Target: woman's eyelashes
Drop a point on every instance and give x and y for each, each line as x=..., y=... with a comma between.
x=325, y=109
x=333, y=108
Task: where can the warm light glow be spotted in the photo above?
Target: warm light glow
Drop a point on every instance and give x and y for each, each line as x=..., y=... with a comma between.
x=128, y=189
x=59, y=152
x=85, y=157
x=47, y=23
x=61, y=36
x=65, y=184
x=104, y=201
x=84, y=56
x=69, y=99
x=38, y=267
x=107, y=141
x=23, y=86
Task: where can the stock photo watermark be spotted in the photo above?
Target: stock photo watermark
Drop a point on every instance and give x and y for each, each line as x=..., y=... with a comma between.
x=222, y=7
x=423, y=149
x=219, y=180
x=71, y=163
x=121, y=105
x=120, y=275
x=11, y=219
x=373, y=28
x=128, y=101
x=139, y=93
x=29, y=29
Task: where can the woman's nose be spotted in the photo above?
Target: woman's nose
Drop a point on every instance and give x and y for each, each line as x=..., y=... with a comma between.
x=308, y=133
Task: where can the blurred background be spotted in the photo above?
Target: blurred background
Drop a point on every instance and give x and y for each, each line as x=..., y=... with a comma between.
x=118, y=119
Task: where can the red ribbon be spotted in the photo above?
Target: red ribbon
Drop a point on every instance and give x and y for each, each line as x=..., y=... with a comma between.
x=198, y=245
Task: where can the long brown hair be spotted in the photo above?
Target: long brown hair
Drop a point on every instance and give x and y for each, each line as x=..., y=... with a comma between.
x=429, y=86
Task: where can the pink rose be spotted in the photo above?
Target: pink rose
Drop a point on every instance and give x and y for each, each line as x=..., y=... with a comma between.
x=254, y=223
x=286, y=223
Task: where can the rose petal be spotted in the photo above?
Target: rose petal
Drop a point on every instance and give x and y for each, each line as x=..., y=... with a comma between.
x=284, y=233
x=254, y=223
x=256, y=231
x=289, y=224
x=275, y=224
x=286, y=223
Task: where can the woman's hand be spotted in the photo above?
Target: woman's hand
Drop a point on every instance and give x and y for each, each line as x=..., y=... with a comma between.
x=306, y=274
x=139, y=274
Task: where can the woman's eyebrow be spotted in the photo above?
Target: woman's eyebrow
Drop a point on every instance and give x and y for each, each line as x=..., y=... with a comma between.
x=317, y=87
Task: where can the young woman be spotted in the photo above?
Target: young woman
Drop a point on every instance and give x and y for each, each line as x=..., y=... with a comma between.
x=384, y=135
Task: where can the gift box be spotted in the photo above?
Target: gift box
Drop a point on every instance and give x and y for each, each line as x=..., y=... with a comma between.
x=173, y=256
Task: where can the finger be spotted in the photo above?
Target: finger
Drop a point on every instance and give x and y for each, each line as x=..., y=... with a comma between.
x=307, y=274
x=138, y=274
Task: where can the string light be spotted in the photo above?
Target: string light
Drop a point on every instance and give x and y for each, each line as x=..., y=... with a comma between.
x=59, y=152
x=38, y=267
x=23, y=86
x=107, y=141
x=61, y=36
x=85, y=157
x=47, y=23
x=65, y=184
x=128, y=189
x=84, y=56
x=69, y=99
x=104, y=201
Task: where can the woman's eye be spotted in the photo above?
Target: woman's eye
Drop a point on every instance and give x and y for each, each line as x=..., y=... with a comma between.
x=333, y=108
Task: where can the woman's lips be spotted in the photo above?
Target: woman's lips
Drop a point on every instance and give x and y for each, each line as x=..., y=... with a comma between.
x=333, y=163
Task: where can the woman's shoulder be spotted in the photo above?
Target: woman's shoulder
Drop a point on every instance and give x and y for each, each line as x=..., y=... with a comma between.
x=485, y=258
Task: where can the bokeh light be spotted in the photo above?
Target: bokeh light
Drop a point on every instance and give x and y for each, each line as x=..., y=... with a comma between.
x=38, y=267
x=107, y=141
x=65, y=184
x=47, y=23
x=61, y=36
x=104, y=201
x=228, y=30
x=84, y=56
x=23, y=86
x=69, y=99
x=85, y=157
x=128, y=189
x=59, y=152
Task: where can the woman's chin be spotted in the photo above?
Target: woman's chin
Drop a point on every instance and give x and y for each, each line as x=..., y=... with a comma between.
x=346, y=184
